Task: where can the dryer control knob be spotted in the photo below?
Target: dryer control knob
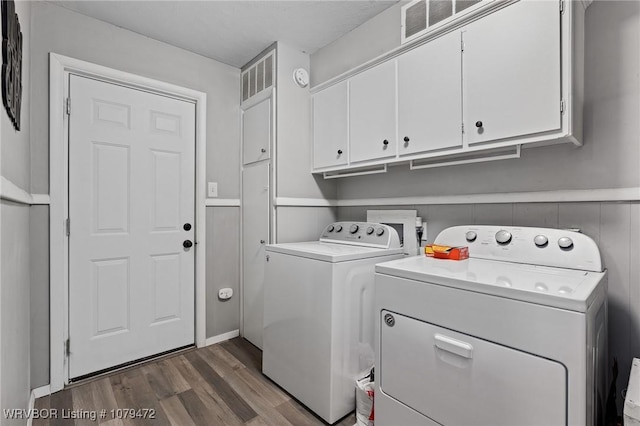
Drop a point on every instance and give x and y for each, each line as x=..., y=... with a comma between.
x=540, y=240
x=565, y=243
x=379, y=232
x=338, y=228
x=354, y=228
x=330, y=228
x=471, y=236
x=370, y=230
x=503, y=237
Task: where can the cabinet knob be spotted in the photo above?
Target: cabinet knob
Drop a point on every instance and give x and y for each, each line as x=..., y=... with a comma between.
x=187, y=244
x=385, y=142
x=478, y=124
x=406, y=139
x=263, y=150
x=339, y=152
x=262, y=241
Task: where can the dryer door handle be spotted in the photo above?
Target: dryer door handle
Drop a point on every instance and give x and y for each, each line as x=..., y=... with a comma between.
x=454, y=346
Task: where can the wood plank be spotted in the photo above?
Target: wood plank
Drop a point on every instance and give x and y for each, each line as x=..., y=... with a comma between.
x=43, y=403
x=245, y=352
x=84, y=405
x=178, y=383
x=176, y=412
x=296, y=416
x=157, y=380
x=132, y=387
x=62, y=400
x=232, y=399
x=260, y=384
x=206, y=393
x=221, y=360
x=104, y=399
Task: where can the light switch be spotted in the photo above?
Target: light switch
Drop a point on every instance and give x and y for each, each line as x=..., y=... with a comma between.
x=212, y=189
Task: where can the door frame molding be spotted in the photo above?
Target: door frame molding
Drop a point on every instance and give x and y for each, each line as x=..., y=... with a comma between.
x=59, y=69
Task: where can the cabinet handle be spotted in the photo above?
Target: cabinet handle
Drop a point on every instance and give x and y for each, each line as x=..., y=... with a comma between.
x=406, y=139
x=263, y=150
x=385, y=142
x=339, y=152
x=478, y=124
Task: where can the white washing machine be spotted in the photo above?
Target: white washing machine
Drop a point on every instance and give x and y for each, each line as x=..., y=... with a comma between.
x=319, y=314
x=514, y=335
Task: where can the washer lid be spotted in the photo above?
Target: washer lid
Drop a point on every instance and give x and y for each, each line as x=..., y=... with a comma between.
x=330, y=252
x=562, y=288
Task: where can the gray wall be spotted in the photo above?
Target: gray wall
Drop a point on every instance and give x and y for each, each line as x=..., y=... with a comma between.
x=55, y=29
x=610, y=158
x=223, y=269
x=14, y=245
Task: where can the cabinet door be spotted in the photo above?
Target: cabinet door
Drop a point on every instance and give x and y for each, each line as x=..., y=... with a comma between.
x=511, y=72
x=256, y=132
x=372, y=113
x=330, y=133
x=430, y=96
x=255, y=234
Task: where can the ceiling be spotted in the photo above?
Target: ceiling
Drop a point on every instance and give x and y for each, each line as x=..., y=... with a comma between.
x=234, y=31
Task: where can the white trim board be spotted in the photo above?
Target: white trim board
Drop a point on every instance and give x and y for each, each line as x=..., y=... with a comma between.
x=222, y=202
x=221, y=337
x=35, y=394
x=59, y=69
x=9, y=191
x=560, y=196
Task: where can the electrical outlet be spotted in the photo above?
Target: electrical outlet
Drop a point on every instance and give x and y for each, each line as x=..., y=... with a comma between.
x=212, y=189
x=225, y=293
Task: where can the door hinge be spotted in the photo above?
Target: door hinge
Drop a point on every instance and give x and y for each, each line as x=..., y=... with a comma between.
x=462, y=45
x=562, y=106
x=67, y=226
x=462, y=128
x=561, y=7
x=68, y=107
x=67, y=347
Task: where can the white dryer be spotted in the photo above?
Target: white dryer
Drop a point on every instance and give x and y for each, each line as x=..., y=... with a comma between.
x=319, y=314
x=514, y=335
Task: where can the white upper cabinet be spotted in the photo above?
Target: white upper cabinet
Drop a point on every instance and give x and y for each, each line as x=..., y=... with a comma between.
x=372, y=113
x=512, y=73
x=256, y=132
x=330, y=127
x=430, y=96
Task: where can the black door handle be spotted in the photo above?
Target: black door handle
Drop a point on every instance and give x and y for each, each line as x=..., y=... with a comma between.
x=187, y=244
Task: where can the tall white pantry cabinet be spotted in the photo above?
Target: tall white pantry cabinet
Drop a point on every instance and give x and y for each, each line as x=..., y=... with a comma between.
x=507, y=76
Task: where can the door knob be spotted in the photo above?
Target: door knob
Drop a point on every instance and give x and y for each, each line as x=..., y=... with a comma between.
x=187, y=244
x=186, y=227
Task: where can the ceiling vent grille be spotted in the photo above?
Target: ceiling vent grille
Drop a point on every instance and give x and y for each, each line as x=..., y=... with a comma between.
x=258, y=77
x=421, y=16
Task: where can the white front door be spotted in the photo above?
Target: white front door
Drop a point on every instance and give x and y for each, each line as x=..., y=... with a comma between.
x=131, y=208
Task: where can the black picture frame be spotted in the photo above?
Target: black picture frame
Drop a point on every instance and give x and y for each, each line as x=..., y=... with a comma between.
x=11, y=62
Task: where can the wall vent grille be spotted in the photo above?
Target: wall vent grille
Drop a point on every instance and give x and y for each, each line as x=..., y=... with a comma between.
x=258, y=77
x=422, y=16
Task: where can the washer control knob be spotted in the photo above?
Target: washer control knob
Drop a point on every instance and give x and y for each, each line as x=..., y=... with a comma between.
x=565, y=243
x=330, y=228
x=338, y=228
x=379, y=232
x=471, y=236
x=503, y=237
x=540, y=240
x=354, y=228
x=370, y=230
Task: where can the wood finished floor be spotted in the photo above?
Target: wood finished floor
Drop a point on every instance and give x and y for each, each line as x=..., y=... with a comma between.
x=221, y=384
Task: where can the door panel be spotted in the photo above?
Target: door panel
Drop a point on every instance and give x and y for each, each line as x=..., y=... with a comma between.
x=131, y=189
x=457, y=379
x=372, y=113
x=330, y=127
x=255, y=234
x=511, y=71
x=256, y=132
x=430, y=96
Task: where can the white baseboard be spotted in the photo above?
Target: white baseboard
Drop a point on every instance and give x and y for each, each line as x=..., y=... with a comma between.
x=41, y=391
x=221, y=337
x=9, y=191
